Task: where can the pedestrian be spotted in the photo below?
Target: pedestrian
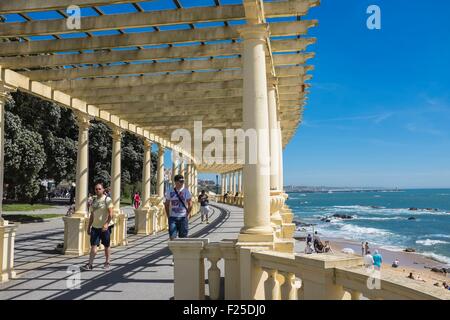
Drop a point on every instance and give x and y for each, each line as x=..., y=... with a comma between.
x=368, y=260
x=204, y=206
x=366, y=247
x=309, y=239
x=100, y=225
x=363, y=249
x=178, y=206
x=137, y=200
x=377, y=260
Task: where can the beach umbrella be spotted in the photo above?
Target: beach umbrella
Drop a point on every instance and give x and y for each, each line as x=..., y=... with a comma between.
x=348, y=251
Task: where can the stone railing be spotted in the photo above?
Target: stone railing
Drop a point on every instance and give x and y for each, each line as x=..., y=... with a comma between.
x=257, y=273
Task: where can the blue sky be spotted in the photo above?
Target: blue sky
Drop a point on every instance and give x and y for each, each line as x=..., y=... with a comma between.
x=378, y=111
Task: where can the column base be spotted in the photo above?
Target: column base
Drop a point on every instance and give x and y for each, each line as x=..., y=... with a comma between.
x=145, y=221
x=7, y=239
x=119, y=232
x=262, y=236
x=76, y=239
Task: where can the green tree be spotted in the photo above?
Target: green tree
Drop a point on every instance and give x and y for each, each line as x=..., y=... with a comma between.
x=24, y=159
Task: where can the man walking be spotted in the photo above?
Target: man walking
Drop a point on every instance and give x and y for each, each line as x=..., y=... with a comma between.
x=178, y=206
x=204, y=208
x=100, y=224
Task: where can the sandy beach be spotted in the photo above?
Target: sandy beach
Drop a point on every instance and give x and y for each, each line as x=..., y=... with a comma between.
x=409, y=262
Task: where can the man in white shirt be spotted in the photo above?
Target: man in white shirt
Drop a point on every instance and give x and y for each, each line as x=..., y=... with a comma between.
x=178, y=207
x=368, y=260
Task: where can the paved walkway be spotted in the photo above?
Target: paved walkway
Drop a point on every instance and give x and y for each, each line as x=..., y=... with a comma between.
x=141, y=270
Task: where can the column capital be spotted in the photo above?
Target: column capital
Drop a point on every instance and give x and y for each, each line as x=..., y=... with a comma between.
x=116, y=133
x=161, y=148
x=272, y=82
x=83, y=119
x=147, y=144
x=254, y=31
x=5, y=90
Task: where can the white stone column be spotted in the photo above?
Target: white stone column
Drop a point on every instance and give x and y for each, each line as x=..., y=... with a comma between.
x=189, y=177
x=160, y=176
x=239, y=184
x=222, y=185
x=82, y=174
x=76, y=240
x=145, y=216
x=183, y=167
x=147, y=174
x=116, y=167
x=3, y=96
x=274, y=136
x=227, y=176
x=195, y=180
x=233, y=183
x=174, y=167
x=7, y=230
x=119, y=232
x=280, y=159
x=256, y=178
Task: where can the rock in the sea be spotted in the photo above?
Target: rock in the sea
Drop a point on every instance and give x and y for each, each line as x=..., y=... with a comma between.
x=342, y=216
x=413, y=209
x=411, y=218
x=410, y=250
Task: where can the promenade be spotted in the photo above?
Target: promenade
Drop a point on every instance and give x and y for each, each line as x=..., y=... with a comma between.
x=141, y=270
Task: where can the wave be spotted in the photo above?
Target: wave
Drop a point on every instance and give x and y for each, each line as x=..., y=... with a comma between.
x=430, y=242
x=392, y=248
x=436, y=235
x=379, y=218
x=350, y=228
x=387, y=211
x=436, y=257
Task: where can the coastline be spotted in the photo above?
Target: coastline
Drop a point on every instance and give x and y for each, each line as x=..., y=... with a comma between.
x=409, y=261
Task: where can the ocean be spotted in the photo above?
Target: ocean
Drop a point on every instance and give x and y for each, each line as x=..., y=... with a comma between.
x=382, y=218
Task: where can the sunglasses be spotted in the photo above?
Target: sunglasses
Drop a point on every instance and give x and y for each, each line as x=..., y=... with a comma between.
x=180, y=181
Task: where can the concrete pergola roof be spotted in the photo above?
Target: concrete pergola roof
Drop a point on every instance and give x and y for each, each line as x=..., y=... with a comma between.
x=150, y=72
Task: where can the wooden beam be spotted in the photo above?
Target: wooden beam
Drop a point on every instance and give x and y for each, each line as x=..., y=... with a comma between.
x=145, y=19
x=158, y=89
x=148, y=38
x=103, y=57
x=148, y=68
x=20, y=6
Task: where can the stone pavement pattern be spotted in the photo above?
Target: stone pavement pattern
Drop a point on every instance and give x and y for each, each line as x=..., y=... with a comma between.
x=141, y=270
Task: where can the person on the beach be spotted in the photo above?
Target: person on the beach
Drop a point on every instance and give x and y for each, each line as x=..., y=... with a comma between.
x=366, y=247
x=395, y=264
x=204, y=208
x=363, y=249
x=100, y=225
x=377, y=260
x=309, y=239
x=368, y=260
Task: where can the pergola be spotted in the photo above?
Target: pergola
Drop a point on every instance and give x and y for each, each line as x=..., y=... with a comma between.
x=151, y=72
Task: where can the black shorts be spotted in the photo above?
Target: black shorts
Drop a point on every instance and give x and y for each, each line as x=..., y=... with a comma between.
x=97, y=235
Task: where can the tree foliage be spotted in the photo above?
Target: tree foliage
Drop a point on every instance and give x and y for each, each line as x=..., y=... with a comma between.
x=41, y=144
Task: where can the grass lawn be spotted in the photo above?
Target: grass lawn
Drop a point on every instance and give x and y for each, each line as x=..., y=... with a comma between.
x=25, y=206
x=125, y=201
x=30, y=218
